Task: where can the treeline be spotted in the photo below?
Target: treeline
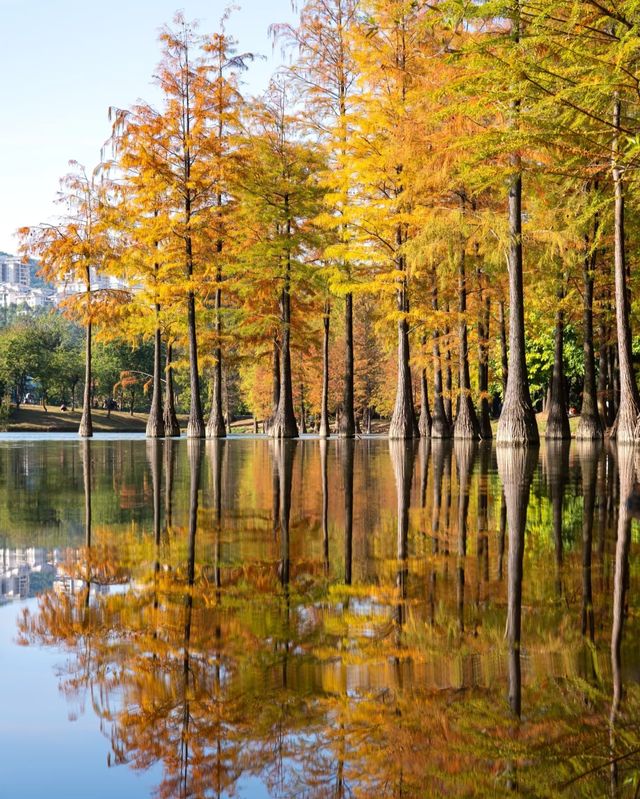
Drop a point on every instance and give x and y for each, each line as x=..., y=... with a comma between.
x=386, y=206
x=42, y=360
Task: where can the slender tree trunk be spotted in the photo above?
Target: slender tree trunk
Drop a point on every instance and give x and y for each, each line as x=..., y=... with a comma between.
x=284, y=423
x=303, y=420
x=517, y=424
x=448, y=378
x=588, y=455
x=215, y=426
x=324, y=402
x=603, y=369
x=86, y=425
x=425, y=422
x=155, y=422
x=590, y=426
x=403, y=421
x=195, y=425
x=504, y=353
x=557, y=420
x=171, y=426
x=625, y=428
x=466, y=425
x=347, y=417
x=484, y=419
x=440, y=427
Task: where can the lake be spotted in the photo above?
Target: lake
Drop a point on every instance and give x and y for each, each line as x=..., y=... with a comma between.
x=317, y=619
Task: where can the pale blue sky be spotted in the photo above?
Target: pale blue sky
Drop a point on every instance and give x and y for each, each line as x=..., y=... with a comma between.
x=64, y=62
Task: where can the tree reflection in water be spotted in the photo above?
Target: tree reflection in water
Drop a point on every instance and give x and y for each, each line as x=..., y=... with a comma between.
x=270, y=624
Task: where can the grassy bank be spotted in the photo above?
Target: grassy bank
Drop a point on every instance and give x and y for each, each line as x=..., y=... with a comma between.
x=33, y=419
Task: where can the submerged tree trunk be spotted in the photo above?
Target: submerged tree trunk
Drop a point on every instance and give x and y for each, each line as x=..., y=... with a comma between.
x=466, y=425
x=403, y=421
x=324, y=401
x=590, y=426
x=440, y=427
x=424, y=422
x=171, y=426
x=86, y=426
x=347, y=427
x=155, y=422
x=625, y=428
x=558, y=420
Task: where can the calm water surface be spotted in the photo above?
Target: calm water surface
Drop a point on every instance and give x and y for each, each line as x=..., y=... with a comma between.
x=317, y=619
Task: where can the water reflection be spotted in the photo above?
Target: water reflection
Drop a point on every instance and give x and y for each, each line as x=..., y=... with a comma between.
x=342, y=618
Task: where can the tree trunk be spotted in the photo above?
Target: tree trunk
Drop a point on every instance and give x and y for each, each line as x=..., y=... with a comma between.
x=347, y=417
x=484, y=420
x=403, y=421
x=424, y=423
x=155, y=422
x=448, y=384
x=284, y=423
x=324, y=402
x=590, y=426
x=557, y=419
x=603, y=368
x=86, y=425
x=216, y=426
x=303, y=420
x=504, y=354
x=517, y=424
x=466, y=425
x=625, y=428
x=171, y=426
x=195, y=425
x=588, y=466
x=440, y=427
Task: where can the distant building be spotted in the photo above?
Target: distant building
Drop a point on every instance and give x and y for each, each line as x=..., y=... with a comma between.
x=16, y=285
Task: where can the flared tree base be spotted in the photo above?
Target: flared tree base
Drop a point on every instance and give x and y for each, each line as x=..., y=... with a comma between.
x=517, y=424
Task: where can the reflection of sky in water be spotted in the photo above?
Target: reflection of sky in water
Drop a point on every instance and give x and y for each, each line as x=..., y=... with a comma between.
x=419, y=633
x=43, y=753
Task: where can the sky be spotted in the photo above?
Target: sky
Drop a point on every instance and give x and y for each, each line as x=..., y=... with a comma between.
x=64, y=62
